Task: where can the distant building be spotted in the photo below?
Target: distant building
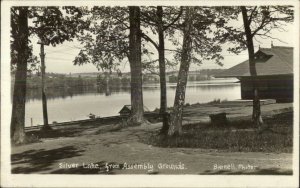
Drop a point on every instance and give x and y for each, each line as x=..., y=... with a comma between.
x=198, y=75
x=148, y=77
x=274, y=68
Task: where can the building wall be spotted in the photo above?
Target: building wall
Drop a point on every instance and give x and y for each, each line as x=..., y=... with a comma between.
x=279, y=87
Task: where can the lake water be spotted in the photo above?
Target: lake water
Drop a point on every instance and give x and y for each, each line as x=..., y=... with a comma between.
x=76, y=105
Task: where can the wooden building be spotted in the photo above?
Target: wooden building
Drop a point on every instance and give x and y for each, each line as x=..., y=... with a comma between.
x=274, y=68
x=126, y=110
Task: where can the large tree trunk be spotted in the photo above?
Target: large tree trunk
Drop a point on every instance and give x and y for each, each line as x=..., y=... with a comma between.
x=162, y=71
x=176, y=116
x=256, y=114
x=44, y=98
x=137, y=109
x=19, y=93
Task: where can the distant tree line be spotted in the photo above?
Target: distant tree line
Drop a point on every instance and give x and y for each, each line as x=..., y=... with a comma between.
x=55, y=80
x=203, y=74
x=61, y=81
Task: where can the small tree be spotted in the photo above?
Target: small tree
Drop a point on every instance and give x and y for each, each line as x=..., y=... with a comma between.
x=176, y=118
x=198, y=44
x=258, y=22
x=161, y=22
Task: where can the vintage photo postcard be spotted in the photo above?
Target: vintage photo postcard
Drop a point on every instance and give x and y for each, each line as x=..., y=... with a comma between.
x=150, y=93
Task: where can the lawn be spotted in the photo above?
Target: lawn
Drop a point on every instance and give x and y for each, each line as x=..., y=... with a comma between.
x=238, y=135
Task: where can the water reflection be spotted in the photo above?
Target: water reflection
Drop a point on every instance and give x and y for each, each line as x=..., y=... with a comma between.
x=54, y=93
x=215, y=87
x=66, y=104
x=63, y=93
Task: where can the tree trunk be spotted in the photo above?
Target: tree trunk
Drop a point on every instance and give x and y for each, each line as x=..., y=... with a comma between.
x=19, y=93
x=256, y=114
x=137, y=107
x=176, y=116
x=44, y=98
x=162, y=71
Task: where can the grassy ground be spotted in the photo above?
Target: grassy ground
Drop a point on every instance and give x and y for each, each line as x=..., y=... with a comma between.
x=103, y=144
x=238, y=135
x=38, y=135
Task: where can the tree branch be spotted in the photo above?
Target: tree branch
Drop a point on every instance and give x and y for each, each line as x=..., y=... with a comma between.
x=262, y=25
x=175, y=20
x=148, y=18
x=147, y=38
x=114, y=39
x=250, y=17
x=172, y=50
x=268, y=36
x=122, y=22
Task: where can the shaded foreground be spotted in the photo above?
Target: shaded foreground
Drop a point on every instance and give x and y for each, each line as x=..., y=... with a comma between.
x=115, y=149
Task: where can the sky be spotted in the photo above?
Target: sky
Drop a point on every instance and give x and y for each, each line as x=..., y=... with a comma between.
x=59, y=59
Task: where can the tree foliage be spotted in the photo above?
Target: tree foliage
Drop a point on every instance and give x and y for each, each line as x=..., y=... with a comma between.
x=199, y=27
x=106, y=40
x=206, y=35
x=54, y=25
x=262, y=20
x=105, y=43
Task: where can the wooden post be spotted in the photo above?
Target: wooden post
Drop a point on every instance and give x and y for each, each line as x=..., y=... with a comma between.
x=44, y=98
x=218, y=119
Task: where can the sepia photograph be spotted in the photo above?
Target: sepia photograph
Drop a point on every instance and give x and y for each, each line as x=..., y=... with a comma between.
x=146, y=92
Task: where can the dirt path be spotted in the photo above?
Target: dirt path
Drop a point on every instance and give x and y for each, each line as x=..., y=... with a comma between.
x=122, y=149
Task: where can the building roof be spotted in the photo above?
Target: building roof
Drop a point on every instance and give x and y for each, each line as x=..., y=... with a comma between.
x=277, y=60
x=127, y=108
